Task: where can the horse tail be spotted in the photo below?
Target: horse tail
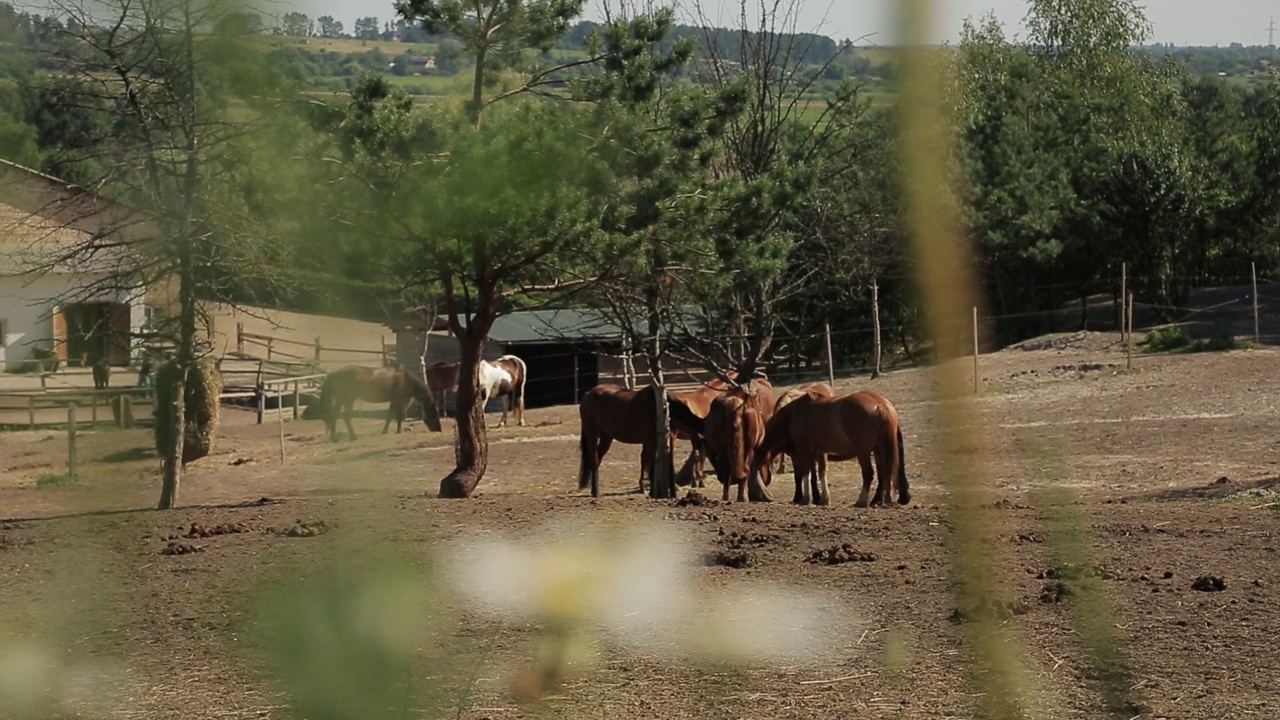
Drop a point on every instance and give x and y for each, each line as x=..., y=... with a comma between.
x=586, y=444
x=738, y=463
x=325, y=404
x=904, y=488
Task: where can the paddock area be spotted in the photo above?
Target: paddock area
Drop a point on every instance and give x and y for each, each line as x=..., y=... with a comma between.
x=1170, y=467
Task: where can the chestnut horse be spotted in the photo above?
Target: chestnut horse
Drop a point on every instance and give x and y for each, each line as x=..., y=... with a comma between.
x=815, y=429
x=609, y=412
x=343, y=387
x=442, y=377
x=786, y=398
x=734, y=432
x=699, y=401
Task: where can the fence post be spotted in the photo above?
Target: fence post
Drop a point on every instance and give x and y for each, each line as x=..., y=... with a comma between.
x=317, y=348
x=1253, y=270
x=1124, y=302
x=240, y=338
x=831, y=365
x=280, y=415
x=295, y=399
x=31, y=411
x=93, y=415
x=1128, y=343
x=975, y=349
x=71, y=439
x=270, y=346
x=875, y=326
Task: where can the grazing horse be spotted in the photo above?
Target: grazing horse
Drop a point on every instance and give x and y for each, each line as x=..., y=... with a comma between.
x=609, y=412
x=504, y=378
x=734, y=432
x=442, y=377
x=815, y=429
x=699, y=401
x=787, y=397
x=343, y=387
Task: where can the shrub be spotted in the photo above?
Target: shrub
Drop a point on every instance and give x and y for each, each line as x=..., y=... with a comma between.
x=202, y=390
x=1167, y=339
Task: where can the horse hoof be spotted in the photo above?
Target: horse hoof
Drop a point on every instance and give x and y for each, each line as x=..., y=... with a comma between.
x=799, y=500
x=861, y=503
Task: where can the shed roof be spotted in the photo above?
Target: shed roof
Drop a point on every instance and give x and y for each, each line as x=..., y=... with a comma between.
x=533, y=326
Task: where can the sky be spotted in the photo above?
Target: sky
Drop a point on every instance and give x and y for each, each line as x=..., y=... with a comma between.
x=871, y=22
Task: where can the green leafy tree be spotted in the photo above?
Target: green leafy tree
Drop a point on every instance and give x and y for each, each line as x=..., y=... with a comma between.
x=496, y=34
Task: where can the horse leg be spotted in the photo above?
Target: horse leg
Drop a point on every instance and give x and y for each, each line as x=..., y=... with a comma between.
x=884, y=476
x=391, y=412
x=346, y=416
x=646, y=464
x=821, y=494
x=865, y=462
x=602, y=448
x=802, y=481
x=505, y=402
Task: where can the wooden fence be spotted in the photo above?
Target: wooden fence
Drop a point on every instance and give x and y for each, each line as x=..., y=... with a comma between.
x=278, y=348
x=33, y=408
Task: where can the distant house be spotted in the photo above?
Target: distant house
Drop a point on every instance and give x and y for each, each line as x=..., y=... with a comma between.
x=567, y=351
x=54, y=301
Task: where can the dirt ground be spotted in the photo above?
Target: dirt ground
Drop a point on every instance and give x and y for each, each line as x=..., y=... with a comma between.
x=1170, y=468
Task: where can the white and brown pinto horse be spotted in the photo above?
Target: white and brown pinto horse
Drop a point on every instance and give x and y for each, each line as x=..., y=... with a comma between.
x=504, y=378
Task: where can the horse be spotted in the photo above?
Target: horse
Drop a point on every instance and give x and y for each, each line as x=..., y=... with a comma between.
x=816, y=429
x=699, y=401
x=787, y=397
x=504, y=378
x=735, y=430
x=101, y=373
x=442, y=377
x=609, y=412
x=343, y=387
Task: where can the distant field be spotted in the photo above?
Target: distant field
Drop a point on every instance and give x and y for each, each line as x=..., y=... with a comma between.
x=433, y=84
x=350, y=46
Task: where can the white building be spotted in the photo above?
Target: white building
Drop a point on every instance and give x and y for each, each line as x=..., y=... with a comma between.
x=64, y=282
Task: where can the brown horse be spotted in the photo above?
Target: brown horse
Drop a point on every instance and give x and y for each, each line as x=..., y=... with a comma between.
x=343, y=387
x=820, y=388
x=101, y=373
x=442, y=377
x=699, y=401
x=734, y=432
x=609, y=412
x=815, y=429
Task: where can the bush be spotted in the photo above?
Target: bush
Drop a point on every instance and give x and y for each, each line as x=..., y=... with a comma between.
x=201, y=409
x=1167, y=339
x=1176, y=339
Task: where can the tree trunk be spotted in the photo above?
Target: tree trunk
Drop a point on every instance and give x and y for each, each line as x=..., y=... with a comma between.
x=472, y=447
x=173, y=456
x=430, y=413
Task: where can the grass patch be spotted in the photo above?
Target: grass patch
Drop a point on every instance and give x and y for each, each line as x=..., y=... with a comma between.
x=55, y=479
x=1176, y=339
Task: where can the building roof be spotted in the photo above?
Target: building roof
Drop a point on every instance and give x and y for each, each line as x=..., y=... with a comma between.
x=534, y=326
x=47, y=224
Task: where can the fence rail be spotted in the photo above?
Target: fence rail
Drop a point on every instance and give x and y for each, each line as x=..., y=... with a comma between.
x=317, y=347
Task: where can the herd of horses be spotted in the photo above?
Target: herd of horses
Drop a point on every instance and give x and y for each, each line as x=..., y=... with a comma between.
x=737, y=424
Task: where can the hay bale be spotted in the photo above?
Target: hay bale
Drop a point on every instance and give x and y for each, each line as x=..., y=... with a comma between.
x=201, y=408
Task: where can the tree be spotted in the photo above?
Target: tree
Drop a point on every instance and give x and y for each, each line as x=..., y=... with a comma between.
x=175, y=170
x=496, y=33
x=489, y=207
x=777, y=153
x=296, y=24
x=366, y=28
x=329, y=28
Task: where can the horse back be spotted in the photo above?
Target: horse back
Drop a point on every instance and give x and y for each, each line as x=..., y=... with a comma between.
x=624, y=415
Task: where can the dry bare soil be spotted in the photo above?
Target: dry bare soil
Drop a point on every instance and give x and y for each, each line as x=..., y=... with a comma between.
x=1168, y=467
